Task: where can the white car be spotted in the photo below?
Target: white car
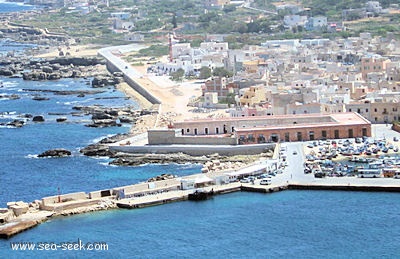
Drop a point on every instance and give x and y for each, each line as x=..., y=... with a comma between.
x=266, y=181
x=245, y=180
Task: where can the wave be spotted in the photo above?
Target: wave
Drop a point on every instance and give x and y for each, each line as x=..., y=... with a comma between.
x=8, y=84
x=107, y=164
x=30, y=155
x=102, y=137
x=7, y=127
x=70, y=103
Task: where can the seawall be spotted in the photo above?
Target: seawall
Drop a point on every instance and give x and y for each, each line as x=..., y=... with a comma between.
x=116, y=64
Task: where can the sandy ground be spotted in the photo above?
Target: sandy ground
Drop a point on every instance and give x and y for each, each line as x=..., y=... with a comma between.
x=74, y=51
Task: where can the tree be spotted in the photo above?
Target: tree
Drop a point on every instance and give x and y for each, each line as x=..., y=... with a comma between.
x=178, y=75
x=222, y=72
x=205, y=72
x=229, y=8
x=174, y=23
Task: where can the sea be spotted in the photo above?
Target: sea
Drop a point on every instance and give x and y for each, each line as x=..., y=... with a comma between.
x=288, y=224
x=7, y=7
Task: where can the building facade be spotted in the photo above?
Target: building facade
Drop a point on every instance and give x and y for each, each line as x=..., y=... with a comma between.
x=305, y=127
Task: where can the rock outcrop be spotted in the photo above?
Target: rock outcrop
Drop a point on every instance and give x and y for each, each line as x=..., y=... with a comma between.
x=60, y=152
x=38, y=118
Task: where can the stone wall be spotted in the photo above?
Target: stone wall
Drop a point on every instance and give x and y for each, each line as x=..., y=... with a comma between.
x=64, y=197
x=174, y=136
x=141, y=90
x=197, y=150
x=112, y=68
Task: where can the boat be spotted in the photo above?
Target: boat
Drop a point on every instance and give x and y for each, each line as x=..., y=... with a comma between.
x=200, y=195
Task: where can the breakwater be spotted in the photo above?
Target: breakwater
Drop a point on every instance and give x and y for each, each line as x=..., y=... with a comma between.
x=130, y=75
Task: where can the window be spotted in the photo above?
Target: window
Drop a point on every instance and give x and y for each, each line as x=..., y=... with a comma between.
x=195, y=131
x=187, y=130
x=299, y=136
x=261, y=138
x=366, y=110
x=364, y=131
x=287, y=137
x=323, y=133
x=250, y=137
x=274, y=137
x=376, y=110
x=349, y=110
x=311, y=135
x=217, y=130
x=350, y=133
x=336, y=132
x=206, y=131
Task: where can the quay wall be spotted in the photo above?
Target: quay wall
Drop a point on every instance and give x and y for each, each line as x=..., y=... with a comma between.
x=148, y=186
x=364, y=188
x=196, y=150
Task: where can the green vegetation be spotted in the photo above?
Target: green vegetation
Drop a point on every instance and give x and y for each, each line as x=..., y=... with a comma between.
x=229, y=99
x=205, y=72
x=244, y=26
x=222, y=72
x=154, y=51
x=178, y=75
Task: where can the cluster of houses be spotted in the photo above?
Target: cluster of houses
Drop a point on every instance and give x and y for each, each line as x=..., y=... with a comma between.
x=299, y=18
x=288, y=77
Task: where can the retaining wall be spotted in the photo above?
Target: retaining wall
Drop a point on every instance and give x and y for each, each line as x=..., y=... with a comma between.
x=196, y=150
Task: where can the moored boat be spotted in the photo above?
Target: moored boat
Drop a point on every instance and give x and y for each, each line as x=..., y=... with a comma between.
x=200, y=195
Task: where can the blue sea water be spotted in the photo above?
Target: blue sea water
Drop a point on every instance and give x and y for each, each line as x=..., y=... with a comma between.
x=8, y=7
x=289, y=224
x=26, y=177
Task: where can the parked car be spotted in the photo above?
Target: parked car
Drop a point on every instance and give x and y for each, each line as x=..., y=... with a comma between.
x=245, y=180
x=266, y=181
x=262, y=176
x=295, y=152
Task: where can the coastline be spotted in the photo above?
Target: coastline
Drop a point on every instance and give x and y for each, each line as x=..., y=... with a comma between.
x=83, y=205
